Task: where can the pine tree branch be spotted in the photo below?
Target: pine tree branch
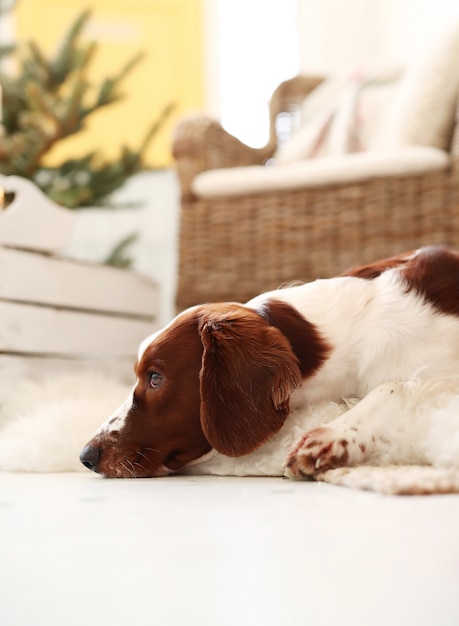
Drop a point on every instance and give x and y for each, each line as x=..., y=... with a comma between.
x=7, y=50
x=74, y=115
x=107, y=92
x=118, y=257
x=47, y=101
x=127, y=69
x=66, y=58
x=156, y=127
x=40, y=102
x=37, y=66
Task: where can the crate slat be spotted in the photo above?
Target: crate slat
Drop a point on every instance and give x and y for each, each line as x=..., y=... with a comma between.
x=32, y=220
x=45, y=331
x=39, y=279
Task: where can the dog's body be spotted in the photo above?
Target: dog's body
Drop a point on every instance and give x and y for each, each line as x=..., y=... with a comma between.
x=224, y=385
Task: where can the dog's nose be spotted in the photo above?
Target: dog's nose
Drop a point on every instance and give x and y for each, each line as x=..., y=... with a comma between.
x=89, y=456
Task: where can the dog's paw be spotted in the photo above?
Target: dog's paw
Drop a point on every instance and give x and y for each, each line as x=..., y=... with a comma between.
x=322, y=449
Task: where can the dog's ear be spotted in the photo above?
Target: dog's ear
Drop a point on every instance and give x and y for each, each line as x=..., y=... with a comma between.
x=248, y=373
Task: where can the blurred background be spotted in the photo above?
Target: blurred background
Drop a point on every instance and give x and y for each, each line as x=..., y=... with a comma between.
x=198, y=56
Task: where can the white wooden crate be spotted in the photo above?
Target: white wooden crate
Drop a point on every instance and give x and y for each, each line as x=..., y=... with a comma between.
x=51, y=306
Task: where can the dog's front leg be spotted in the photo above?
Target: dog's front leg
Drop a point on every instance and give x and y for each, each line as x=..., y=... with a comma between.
x=379, y=430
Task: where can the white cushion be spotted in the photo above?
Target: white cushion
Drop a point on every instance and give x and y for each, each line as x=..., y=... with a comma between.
x=359, y=166
x=316, y=112
x=424, y=106
x=340, y=115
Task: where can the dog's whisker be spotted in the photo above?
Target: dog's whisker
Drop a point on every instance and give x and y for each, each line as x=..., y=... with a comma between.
x=153, y=450
x=128, y=469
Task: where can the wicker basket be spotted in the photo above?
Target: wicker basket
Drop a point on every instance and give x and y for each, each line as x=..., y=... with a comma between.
x=232, y=248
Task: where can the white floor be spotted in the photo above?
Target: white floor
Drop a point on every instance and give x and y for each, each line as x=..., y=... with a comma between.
x=80, y=550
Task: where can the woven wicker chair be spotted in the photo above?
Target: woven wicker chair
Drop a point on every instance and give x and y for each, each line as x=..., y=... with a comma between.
x=232, y=248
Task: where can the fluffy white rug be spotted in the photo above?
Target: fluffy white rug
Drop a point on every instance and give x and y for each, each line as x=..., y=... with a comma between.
x=44, y=424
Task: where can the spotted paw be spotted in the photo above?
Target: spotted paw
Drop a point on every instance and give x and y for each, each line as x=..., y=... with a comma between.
x=319, y=450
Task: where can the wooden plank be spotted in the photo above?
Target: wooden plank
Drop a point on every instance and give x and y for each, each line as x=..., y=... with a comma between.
x=46, y=331
x=36, y=278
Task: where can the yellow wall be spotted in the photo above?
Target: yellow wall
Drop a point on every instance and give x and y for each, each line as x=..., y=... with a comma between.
x=169, y=31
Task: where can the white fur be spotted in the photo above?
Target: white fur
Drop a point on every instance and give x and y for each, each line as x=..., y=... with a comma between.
x=117, y=419
x=379, y=334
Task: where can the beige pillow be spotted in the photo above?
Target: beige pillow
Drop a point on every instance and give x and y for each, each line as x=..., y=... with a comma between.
x=340, y=115
x=316, y=113
x=424, y=106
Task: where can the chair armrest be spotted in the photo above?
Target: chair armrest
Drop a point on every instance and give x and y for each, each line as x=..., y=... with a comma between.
x=200, y=144
x=455, y=136
x=287, y=97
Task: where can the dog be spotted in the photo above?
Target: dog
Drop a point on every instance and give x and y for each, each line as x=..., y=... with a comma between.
x=225, y=386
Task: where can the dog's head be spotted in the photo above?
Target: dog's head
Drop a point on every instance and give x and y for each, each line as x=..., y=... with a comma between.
x=218, y=376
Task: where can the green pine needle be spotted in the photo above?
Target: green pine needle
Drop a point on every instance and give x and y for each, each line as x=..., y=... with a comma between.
x=119, y=256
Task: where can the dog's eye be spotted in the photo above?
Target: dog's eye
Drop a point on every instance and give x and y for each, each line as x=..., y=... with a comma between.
x=155, y=380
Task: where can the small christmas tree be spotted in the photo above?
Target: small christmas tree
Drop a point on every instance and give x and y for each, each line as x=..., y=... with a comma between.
x=47, y=100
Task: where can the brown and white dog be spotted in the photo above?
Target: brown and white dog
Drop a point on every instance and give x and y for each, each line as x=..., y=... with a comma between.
x=224, y=387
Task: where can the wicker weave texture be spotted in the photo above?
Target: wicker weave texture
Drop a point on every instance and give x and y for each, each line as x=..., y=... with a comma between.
x=234, y=248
